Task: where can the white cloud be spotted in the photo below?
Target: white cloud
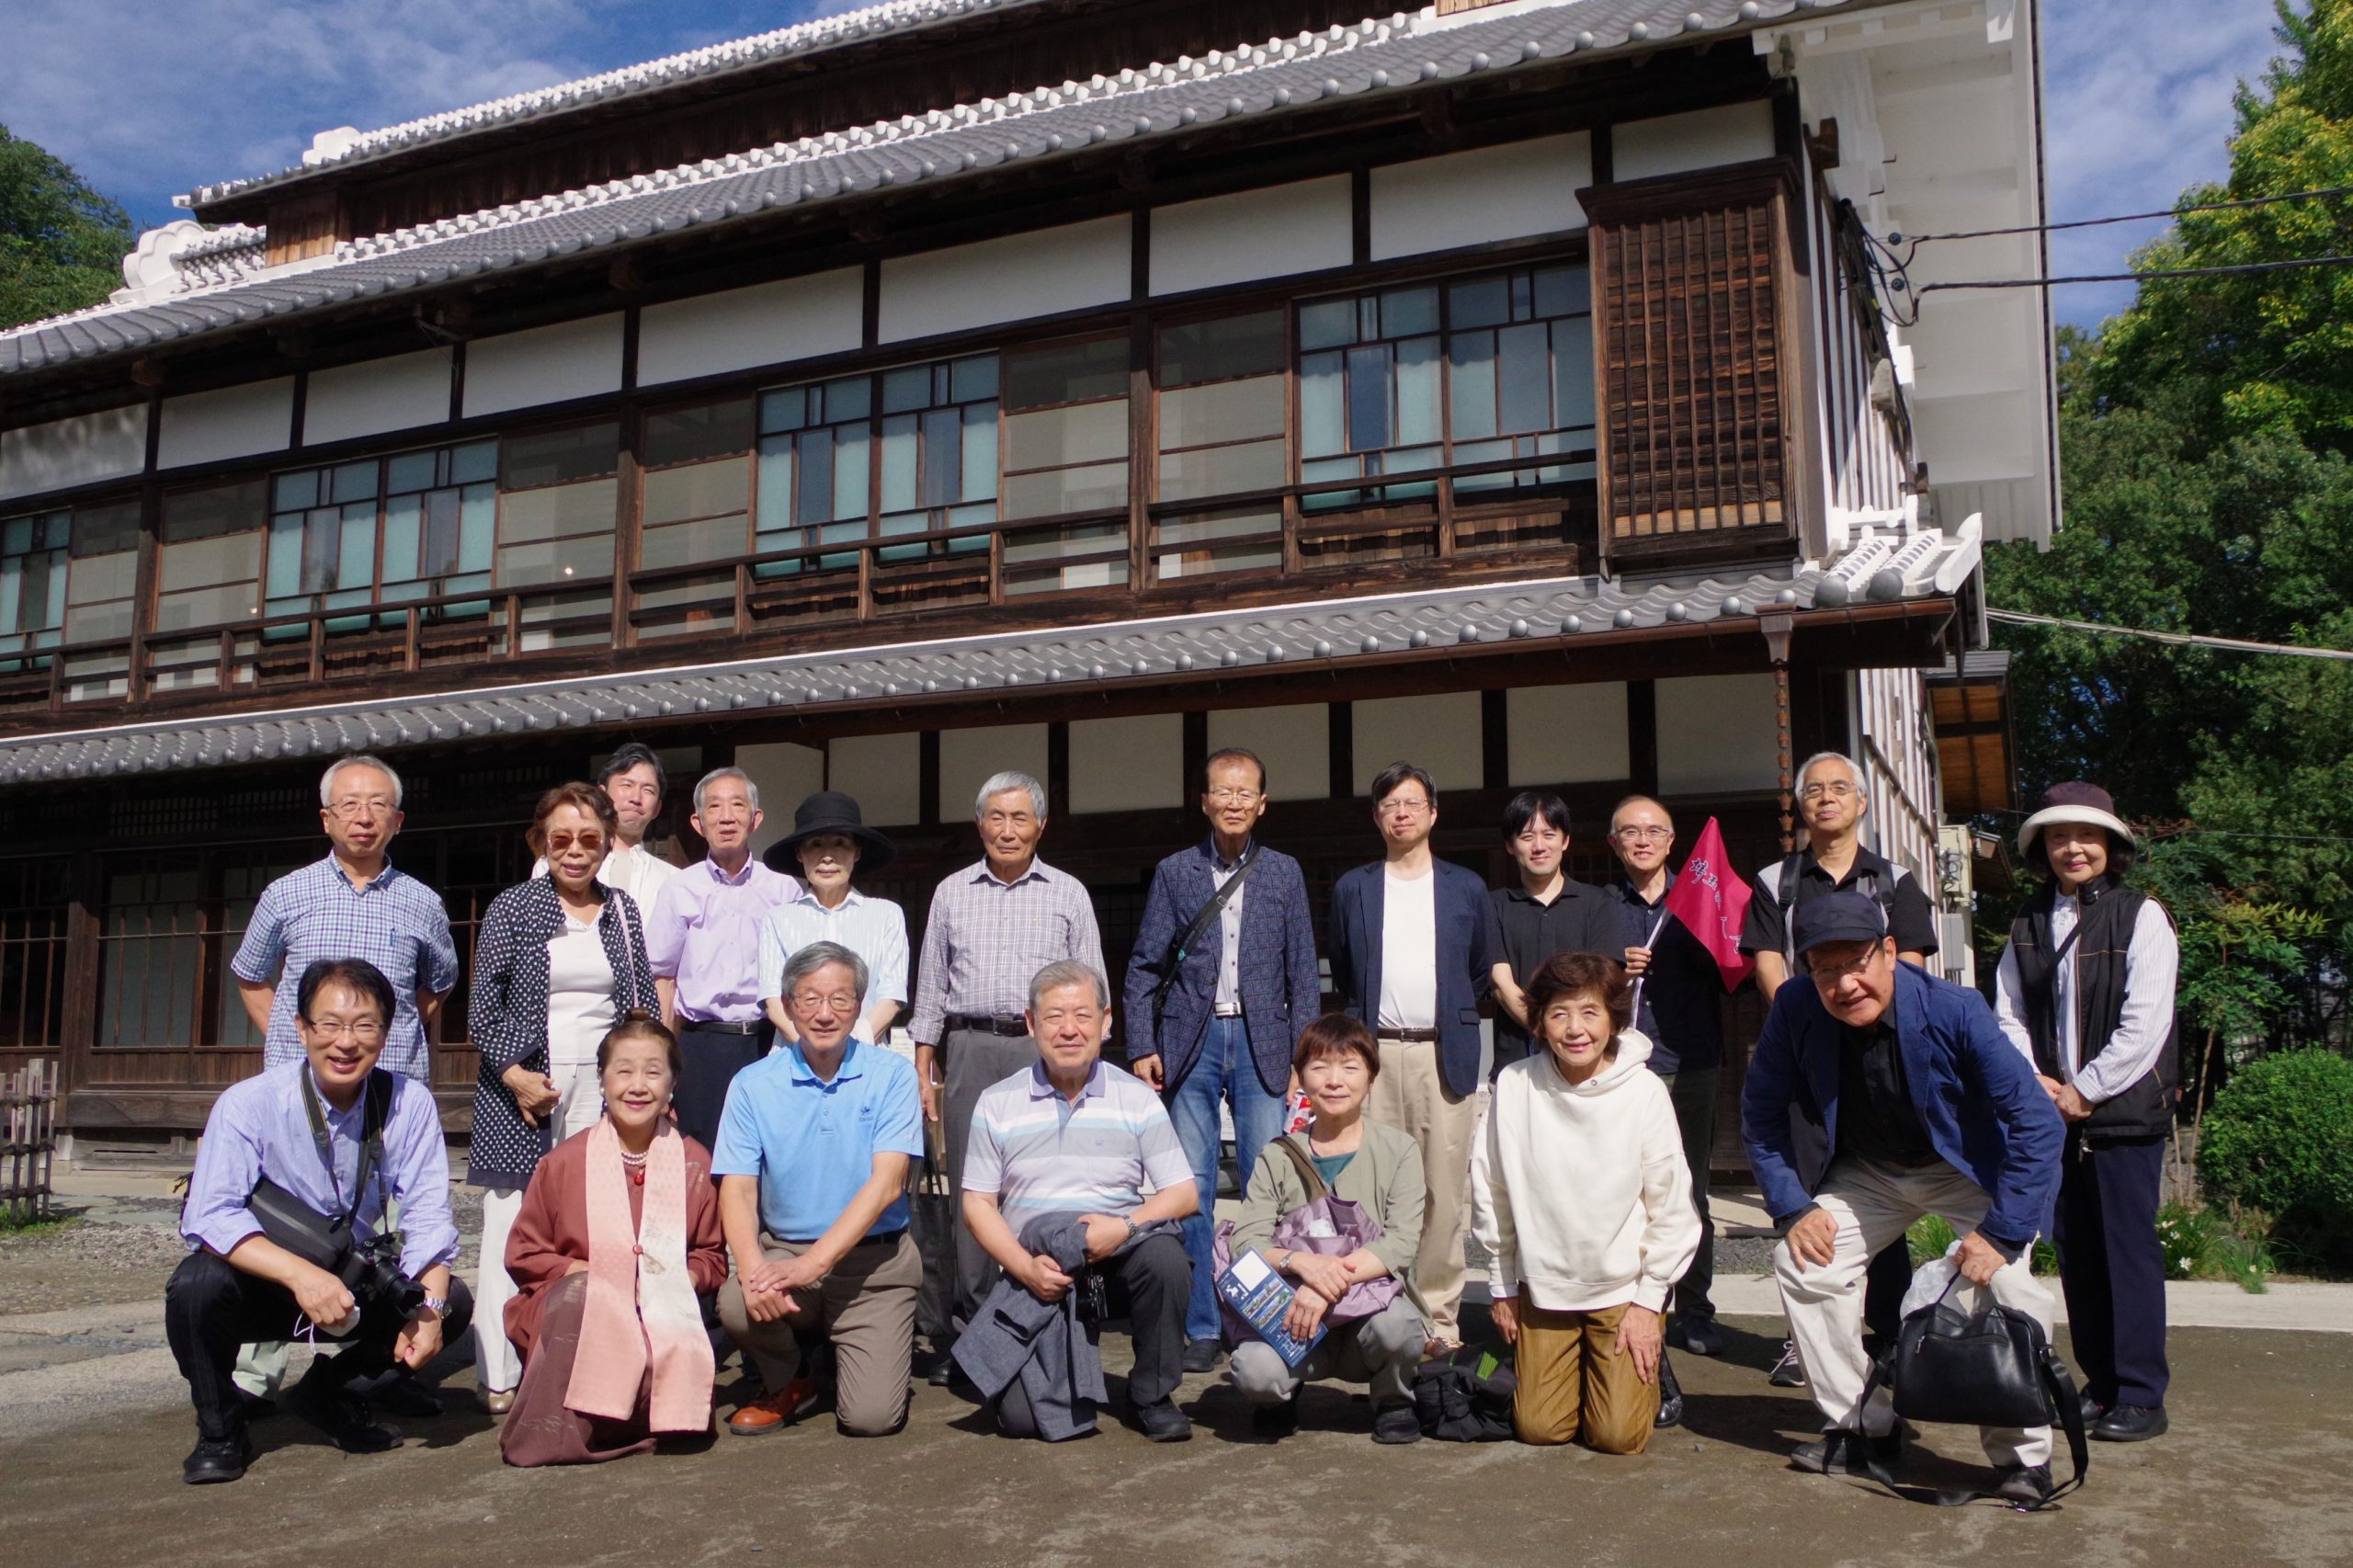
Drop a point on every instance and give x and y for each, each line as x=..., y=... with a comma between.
x=2138, y=107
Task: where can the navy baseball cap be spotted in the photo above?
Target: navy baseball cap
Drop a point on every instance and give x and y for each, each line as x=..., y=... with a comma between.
x=1841, y=917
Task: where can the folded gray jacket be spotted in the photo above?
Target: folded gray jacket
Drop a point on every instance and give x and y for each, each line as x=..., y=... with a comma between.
x=1044, y=1344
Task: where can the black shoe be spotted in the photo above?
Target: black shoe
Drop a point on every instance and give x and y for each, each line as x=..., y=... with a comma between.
x=1700, y=1336
x=1163, y=1422
x=209, y=1465
x=1789, y=1372
x=343, y=1416
x=1396, y=1424
x=1201, y=1355
x=1670, y=1395
x=404, y=1395
x=2131, y=1424
x=943, y=1372
x=2028, y=1484
x=1276, y=1420
x=1842, y=1452
x=2092, y=1410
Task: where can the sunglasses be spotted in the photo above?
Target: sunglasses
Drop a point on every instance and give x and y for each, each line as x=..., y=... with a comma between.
x=560, y=842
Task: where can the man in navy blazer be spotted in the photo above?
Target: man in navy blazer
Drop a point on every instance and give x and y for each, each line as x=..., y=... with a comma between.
x=1905, y=1081
x=1413, y=943
x=1217, y=1023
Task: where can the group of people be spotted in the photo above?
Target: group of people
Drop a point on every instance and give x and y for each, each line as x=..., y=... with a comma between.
x=689, y=1123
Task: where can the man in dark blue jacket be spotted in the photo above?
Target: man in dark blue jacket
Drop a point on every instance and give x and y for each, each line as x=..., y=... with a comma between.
x=1213, y=1015
x=1924, y=1107
x=1413, y=942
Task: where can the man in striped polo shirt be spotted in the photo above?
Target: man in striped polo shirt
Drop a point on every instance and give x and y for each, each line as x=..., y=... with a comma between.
x=1074, y=1134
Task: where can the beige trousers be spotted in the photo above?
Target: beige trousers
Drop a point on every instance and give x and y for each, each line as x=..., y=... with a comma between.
x=866, y=1306
x=1874, y=1204
x=1410, y=1093
x=1575, y=1381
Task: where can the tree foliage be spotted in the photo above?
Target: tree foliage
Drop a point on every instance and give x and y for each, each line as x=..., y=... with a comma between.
x=2207, y=452
x=61, y=244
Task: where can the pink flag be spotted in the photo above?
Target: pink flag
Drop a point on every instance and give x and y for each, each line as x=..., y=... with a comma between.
x=1711, y=900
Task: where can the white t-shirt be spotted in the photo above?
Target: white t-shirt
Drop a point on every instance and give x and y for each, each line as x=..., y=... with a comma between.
x=1409, y=952
x=580, y=1012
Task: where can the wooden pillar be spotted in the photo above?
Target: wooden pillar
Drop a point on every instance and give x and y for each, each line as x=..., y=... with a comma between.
x=85, y=916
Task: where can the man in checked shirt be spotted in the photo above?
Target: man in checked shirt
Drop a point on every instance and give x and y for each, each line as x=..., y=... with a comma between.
x=993, y=927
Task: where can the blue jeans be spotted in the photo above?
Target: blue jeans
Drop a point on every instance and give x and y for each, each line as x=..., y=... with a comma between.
x=1224, y=1070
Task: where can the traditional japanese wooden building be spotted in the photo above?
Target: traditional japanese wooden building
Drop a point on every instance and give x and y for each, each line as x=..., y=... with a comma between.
x=1075, y=385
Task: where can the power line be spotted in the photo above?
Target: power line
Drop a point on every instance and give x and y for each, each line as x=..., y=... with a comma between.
x=1899, y=239
x=2179, y=639
x=2239, y=270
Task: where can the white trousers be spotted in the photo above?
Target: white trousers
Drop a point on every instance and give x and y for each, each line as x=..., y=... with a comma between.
x=496, y=1366
x=1874, y=1204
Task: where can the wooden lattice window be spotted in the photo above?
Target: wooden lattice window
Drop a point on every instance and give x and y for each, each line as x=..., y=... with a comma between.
x=1693, y=295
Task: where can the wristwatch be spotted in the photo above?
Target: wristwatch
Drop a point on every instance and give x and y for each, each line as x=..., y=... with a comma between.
x=438, y=1305
x=1131, y=1224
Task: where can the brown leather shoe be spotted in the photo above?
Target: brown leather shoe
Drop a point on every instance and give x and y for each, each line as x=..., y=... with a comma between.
x=774, y=1412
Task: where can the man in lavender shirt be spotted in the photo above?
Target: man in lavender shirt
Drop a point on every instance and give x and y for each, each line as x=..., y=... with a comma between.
x=703, y=942
x=300, y=1126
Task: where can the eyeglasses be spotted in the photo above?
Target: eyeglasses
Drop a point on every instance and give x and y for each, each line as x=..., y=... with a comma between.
x=839, y=1001
x=364, y=1031
x=1640, y=835
x=559, y=842
x=1405, y=808
x=1838, y=790
x=1831, y=974
x=1223, y=795
x=351, y=808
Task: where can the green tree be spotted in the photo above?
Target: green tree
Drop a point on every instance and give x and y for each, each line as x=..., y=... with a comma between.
x=2207, y=440
x=61, y=244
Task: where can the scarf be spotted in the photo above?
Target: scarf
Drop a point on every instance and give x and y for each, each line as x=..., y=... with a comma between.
x=641, y=1304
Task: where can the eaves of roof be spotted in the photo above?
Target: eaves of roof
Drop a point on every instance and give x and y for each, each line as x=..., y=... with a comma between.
x=893, y=19
x=1143, y=105
x=1142, y=655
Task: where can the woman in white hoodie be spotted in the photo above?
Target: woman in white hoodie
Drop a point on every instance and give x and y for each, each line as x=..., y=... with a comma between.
x=1581, y=1196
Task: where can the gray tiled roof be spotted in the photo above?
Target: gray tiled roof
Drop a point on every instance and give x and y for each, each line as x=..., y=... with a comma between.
x=1162, y=100
x=1878, y=569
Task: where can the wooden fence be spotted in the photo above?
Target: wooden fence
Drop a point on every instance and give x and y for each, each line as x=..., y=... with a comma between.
x=28, y=1105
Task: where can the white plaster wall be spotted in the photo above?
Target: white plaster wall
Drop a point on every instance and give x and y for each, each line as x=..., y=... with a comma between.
x=1294, y=742
x=377, y=395
x=1467, y=198
x=1704, y=139
x=1127, y=765
x=799, y=318
x=1253, y=234
x=80, y=451
x=1716, y=733
x=1440, y=731
x=1567, y=734
x=235, y=422
x=547, y=364
x=883, y=772
x=787, y=775
x=1006, y=279
x=967, y=758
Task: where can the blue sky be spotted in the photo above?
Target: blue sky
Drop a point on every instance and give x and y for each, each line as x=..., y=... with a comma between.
x=150, y=97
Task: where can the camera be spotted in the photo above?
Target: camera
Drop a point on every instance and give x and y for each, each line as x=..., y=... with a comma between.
x=371, y=1272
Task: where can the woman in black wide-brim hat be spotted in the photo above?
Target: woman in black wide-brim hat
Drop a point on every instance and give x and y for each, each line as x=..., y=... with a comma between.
x=830, y=843
x=2085, y=989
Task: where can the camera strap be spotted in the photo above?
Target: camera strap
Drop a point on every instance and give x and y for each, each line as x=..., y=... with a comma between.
x=377, y=1099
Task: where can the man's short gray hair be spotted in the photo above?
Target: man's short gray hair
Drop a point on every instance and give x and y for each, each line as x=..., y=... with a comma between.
x=356, y=759
x=1068, y=971
x=751, y=790
x=806, y=962
x=1818, y=758
x=1005, y=783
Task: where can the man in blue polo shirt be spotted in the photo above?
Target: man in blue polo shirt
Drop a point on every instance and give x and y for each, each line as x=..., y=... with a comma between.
x=812, y=1157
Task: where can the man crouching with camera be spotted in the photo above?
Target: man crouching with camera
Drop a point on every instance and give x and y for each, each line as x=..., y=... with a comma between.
x=285, y=1221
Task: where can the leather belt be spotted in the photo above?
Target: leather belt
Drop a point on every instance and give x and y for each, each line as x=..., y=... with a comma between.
x=722, y=1026
x=1411, y=1037
x=877, y=1239
x=981, y=1023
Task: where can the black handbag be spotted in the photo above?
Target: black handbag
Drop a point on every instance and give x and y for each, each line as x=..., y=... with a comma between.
x=326, y=1240
x=1989, y=1368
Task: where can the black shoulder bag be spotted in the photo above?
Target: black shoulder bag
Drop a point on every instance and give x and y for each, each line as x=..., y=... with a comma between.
x=326, y=1240
x=1989, y=1367
x=1202, y=921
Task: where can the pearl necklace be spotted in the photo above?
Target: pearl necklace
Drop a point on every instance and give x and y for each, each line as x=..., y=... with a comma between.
x=635, y=1165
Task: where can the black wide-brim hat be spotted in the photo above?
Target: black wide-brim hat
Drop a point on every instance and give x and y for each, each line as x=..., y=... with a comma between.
x=829, y=810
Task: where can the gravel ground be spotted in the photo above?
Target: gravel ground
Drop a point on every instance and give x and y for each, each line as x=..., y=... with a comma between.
x=82, y=1264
